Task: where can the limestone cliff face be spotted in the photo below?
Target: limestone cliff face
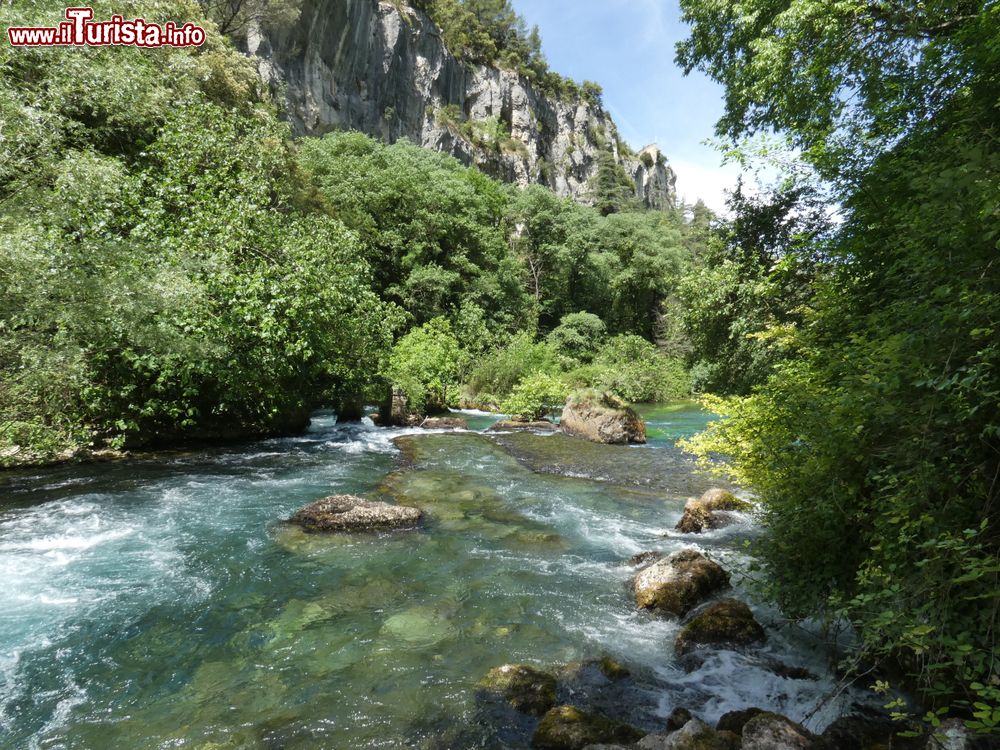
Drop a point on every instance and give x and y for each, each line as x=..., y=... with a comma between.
x=382, y=68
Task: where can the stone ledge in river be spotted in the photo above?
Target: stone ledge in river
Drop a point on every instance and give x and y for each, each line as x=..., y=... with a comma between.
x=526, y=688
x=569, y=728
x=768, y=731
x=351, y=513
x=710, y=511
x=601, y=418
x=679, y=583
x=694, y=735
x=444, y=423
x=727, y=623
x=513, y=425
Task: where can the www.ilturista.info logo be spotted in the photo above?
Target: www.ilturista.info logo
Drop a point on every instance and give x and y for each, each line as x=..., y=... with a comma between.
x=79, y=30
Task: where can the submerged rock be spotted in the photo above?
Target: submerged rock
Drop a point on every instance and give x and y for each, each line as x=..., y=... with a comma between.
x=601, y=418
x=351, y=513
x=643, y=558
x=524, y=687
x=444, y=423
x=418, y=626
x=728, y=622
x=513, y=425
x=569, y=728
x=679, y=583
x=768, y=731
x=694, y=735
x=710, y=511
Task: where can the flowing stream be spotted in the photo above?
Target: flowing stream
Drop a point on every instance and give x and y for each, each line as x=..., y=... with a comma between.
x=163, y=604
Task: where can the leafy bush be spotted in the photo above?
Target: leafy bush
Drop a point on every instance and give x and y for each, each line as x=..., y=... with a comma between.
x=578, y=336
x=497, y=373
x=634, y=369
x=537, y=396
x=425, y=363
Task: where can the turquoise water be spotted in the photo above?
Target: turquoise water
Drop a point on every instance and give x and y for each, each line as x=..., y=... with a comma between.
x=163, y=604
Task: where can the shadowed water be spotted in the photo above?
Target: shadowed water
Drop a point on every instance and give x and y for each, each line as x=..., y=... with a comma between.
x=163, y=604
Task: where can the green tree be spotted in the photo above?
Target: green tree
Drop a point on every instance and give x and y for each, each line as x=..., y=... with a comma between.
x=874, y=446
x=426, y=363
x=535, y=397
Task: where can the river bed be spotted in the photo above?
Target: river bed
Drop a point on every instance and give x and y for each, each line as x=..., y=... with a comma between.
x=163, y=604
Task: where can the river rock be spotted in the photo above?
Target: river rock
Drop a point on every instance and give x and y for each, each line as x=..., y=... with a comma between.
x=524, y=687
x=726, y=623
x=444, y=423
x=768, y=731
x=734, y=721
x=569, y=728
x=710, y=511
x=601, y=418
x=643, y=558
x=678, y=718
x=694, y=735
x=351, y=513
x=513, y=425
x=679, y=583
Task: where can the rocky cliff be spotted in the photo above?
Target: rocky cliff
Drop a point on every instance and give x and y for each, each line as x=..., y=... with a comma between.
x=382, y=68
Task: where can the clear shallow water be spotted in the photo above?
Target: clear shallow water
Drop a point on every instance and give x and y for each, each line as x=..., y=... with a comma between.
x=163, y=604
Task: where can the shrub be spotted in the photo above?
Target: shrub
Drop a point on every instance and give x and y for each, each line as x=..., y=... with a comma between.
x=578, y=336
x=535, y=397
x=425, y=363
x=500, y=371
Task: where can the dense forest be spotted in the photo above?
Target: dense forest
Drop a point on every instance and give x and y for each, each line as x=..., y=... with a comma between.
x=174, y=267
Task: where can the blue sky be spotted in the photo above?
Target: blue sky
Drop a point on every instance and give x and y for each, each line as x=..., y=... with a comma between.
x=627, y=46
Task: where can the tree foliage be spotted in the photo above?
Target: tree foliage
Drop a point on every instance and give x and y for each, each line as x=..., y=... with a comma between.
x=875, y=443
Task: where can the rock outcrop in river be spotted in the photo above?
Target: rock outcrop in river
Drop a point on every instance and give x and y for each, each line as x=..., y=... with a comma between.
x=601, y=418
x=383, y=68
x=350, y=513
x=677, y=584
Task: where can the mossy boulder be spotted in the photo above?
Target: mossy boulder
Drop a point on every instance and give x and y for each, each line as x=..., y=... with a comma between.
x=768, y=731
x=601, y=418
x=524, y=687
x=710, y=511
x=727, y=623
x=351, y=513
x=677, y=584
x=569, y=728
x=694, y=735
x=734, y=721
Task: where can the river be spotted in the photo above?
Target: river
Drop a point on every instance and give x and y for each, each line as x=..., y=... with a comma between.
x=161, y=603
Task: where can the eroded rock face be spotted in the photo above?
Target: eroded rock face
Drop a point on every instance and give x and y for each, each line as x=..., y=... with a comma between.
x=600, y=418
x=767, y=731
x=524, y=687
x=569, y=728
x=677, y=584
x=351, y=513
x=710, y=511
x=726, y=623
x=382, y=68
